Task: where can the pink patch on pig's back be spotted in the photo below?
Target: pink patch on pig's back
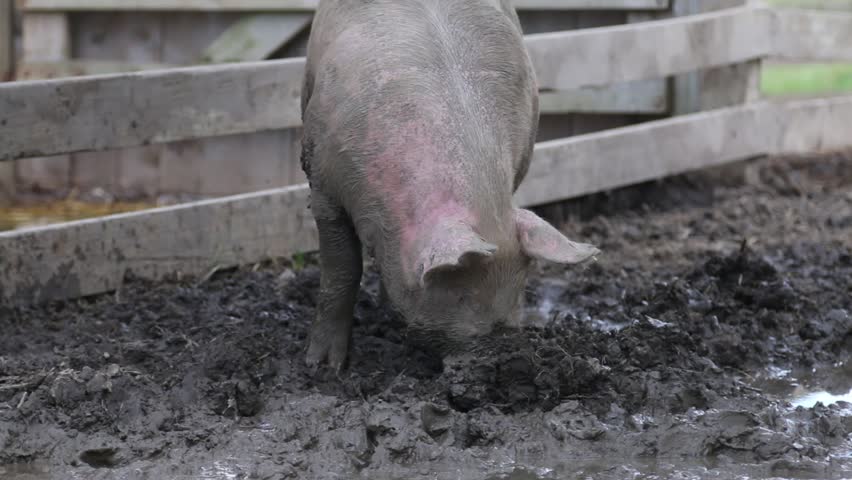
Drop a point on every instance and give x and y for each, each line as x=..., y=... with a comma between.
x=412, y=174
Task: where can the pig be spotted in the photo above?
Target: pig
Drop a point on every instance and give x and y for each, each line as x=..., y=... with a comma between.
x=420, y=118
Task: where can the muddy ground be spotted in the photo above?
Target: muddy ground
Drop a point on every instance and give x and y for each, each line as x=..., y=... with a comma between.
x=646, y=362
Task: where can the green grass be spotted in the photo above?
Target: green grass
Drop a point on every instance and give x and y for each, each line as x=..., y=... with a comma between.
x=806, y=79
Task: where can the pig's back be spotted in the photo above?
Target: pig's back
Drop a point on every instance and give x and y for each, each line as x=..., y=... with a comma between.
x=404, y=89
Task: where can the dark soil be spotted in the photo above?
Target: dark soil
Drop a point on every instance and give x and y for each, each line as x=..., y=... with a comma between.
x=644, y=355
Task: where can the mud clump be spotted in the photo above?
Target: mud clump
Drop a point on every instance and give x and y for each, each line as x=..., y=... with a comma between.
x=648, y=353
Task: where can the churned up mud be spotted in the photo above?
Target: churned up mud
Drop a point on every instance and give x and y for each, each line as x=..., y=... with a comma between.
x=687, y=350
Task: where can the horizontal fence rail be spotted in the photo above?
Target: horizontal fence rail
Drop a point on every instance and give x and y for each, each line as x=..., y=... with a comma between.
x=52, y=117
x=102, y=112
x=599, y=56
x=94, y=256
x=812, y=36
x=303, y=5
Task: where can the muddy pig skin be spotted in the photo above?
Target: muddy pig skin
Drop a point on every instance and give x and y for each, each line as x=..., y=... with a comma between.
x=419, y=123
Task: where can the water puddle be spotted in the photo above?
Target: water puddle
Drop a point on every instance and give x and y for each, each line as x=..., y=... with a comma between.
x=808, y=387
x=661, y=471
x=219, y=471
x=547, y=305
x=826, y=398
x=658, y=469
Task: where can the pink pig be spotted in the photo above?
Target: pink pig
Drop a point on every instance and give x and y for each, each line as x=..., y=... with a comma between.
x=420, y=118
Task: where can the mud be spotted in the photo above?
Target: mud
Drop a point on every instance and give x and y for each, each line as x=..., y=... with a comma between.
x=671, y=356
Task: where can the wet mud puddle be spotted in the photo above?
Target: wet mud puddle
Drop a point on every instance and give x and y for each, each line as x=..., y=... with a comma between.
x=803, y=388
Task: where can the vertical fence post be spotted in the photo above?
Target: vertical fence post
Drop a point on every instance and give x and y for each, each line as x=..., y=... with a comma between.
x=7, y=47
x=714, y=87
x=46, y=38
x=7, y=40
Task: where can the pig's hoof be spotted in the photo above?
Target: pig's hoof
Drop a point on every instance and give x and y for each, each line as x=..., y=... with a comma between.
x=332, y=349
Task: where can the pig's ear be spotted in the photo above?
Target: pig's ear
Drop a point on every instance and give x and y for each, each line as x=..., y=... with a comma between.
x=450, y=247
x=540, y=240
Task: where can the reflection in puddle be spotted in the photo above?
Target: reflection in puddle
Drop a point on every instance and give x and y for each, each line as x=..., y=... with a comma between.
x=807, y=387
x=219, y=471
x=547, y=303
x=811, y=399
x=656, y=469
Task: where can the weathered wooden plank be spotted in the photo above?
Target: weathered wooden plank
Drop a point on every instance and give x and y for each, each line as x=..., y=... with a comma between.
x=7, y=40
x=600, y=161
x=138, y=40
x=305, y=5
x=97, y=113
x=837, y=5
x=46, y=38
x=194, y=102
x=591, y=4
x=256, y=37
x=595, y=162
x=204, y=166
x=93, y=256
x=812, y=36
x=80, y=68
x=221, y=100
x=231, y=165
x=602, y=56
x=227, y=165
x=709, y=88
x=817, y=125
x=649, y=97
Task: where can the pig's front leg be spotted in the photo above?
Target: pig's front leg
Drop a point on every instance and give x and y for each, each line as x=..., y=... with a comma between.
x=340, y=268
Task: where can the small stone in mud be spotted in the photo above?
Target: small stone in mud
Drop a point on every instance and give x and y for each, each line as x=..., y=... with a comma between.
x=237, y=398
x=99, y=383
x=113, y=370
x=815, y=330
x=285, y=278
x=570, y=419
x=437, y=420
x=67, y=391
x=838, y=316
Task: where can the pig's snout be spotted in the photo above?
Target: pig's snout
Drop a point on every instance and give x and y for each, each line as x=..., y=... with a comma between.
x=455, y=329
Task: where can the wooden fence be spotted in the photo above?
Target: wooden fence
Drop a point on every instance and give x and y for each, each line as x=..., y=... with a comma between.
x=73, y=38
x=98, y=113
